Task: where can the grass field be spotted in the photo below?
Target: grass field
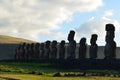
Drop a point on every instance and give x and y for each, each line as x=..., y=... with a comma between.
x=14, y=76
x=43, y=71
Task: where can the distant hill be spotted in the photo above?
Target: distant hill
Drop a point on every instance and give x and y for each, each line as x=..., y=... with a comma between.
x=13, y=40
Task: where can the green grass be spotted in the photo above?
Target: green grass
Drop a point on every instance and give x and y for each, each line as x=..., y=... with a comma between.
x=37, y=77
x=36, y=68
x=43, y=71
x=30, y=67
x=25, y=67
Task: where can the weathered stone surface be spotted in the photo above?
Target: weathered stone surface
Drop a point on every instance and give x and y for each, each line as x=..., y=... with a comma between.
x=110, y=47
x=62, y=50
x=82, y=48
x=54, y=50
x=71, y=45
x=47, y=50
x=93, y=47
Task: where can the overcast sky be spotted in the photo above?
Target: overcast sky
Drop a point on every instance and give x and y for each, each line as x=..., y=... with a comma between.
x=42, y=20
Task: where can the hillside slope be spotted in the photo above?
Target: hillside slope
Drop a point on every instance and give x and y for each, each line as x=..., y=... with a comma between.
x=13, y=40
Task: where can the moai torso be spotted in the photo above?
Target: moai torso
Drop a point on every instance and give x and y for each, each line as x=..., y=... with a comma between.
x=93, y=47
x=71, y=46
x=54, y=50
x=110, y=47
x=82, y=48
x=62, y=50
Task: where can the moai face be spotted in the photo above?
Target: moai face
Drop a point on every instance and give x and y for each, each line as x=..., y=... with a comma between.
x=38, y=44
x=62, y=43
x=47, y=44
x=42, y=46
x=54, y=43
x=71, y=36
x=110, y=27
x=82, y=41
x=93, y=39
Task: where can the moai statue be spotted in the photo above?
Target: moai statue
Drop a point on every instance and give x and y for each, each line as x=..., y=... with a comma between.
x=71, y=45
x=93, y=47
x=17, y=52
x=27, y=51
x=62, y=50
x=82, y=48
x=23, y=51
x=20, y=52
x=110, y=47
x=47, y=50
x=37, y=51
x=53, y=53
x=41, y=54
x=31, y=54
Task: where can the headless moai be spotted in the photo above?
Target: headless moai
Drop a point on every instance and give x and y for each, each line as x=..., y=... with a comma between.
x=82, y=48
x=71, y=45
x=41, y=54
x=62, y=50
x=53, y=52
x=47, y=50
x=93, y=47
x=110, y=47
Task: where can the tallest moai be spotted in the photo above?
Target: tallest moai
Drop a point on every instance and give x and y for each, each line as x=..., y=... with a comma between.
x=71, y=45
x=110, y=47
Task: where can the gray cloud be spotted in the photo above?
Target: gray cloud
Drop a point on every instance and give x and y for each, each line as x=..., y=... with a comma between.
x=96, y=26
x=32, y=18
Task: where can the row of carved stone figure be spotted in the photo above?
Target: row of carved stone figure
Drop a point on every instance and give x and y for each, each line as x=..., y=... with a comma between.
x=109, y=50
x=49, y=50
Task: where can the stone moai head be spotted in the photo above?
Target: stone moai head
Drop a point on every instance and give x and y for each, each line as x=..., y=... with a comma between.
x=24, y=44
x=42, y=46
x=47, y=45
x=71, y=35
x=54, y=43
x=110, y=27
x=110, y=33
x=28, y=46
x=82, y=41
x=93, y=39
x=32, y=46
x=62, y=43
x=37, y=45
